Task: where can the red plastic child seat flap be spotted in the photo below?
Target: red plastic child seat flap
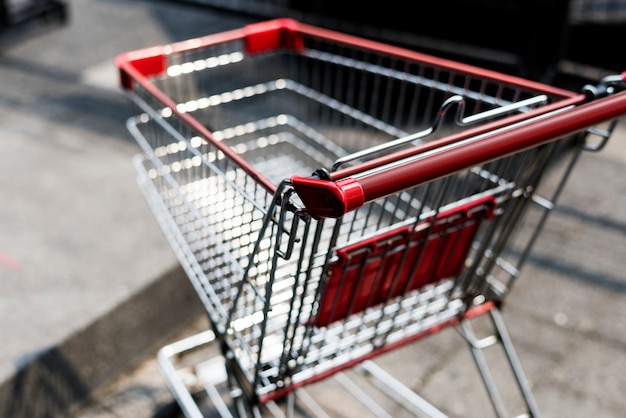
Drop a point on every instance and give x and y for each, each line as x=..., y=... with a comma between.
x=369, y=272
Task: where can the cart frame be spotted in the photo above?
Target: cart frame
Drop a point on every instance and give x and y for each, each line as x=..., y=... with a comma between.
x=381, y=245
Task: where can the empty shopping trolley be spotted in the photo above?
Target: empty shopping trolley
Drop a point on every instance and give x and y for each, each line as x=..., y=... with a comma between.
x=332, y=199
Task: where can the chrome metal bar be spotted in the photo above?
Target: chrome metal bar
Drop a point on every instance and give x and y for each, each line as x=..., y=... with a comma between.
x=399, y=392
x=359, y=394
x=514, y=361
x=483, y=368
x=178, y=389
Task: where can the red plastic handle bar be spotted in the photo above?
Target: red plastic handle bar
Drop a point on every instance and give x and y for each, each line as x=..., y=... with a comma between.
x=327, y=198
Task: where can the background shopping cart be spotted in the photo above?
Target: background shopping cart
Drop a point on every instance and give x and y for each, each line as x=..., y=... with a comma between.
x=245, y=237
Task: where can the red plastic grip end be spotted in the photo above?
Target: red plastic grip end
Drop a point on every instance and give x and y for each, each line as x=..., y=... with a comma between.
x=272, y=35
x=328, y=199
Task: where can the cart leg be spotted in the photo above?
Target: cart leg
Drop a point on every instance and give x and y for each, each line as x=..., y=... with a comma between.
x=501, y=336
x=516, y=366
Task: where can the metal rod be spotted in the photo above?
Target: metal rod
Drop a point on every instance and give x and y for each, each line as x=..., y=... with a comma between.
x=489, y=147
x=399, y=392
x=359, y=394
x=516, y=366
x=483, y=368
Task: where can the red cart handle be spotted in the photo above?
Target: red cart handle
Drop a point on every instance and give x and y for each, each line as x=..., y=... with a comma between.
x=328, y=199
x=333, y=198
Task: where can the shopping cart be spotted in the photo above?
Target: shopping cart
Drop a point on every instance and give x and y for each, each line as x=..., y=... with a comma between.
x=333, y=199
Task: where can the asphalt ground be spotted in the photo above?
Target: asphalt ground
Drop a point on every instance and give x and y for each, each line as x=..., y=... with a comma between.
x=89, y=288
x=79, y=248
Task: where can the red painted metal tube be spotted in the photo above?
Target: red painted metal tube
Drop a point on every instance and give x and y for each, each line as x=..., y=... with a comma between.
x=332, y=199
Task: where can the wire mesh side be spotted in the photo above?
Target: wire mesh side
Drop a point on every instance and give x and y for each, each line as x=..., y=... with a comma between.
x=257, y=260
x=212, y=205
x=352, y=96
